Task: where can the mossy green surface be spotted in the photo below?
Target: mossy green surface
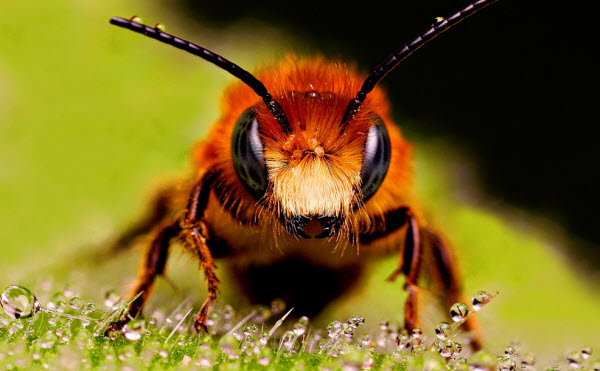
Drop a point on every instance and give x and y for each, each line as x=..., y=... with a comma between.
x=93, y=119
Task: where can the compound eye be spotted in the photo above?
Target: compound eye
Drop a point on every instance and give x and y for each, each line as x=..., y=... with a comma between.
x=377, y=159
x=247, y=153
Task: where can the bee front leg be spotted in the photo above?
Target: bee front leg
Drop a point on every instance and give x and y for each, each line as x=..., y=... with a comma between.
x=195, y=233
x=409, y=266
x=198, y=237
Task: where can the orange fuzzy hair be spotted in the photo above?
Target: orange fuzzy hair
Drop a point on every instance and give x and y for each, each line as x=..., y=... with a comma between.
x=316, y=169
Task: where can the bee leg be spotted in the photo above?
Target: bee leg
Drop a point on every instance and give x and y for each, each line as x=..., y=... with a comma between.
x=199, y=238
x=153, y=264
x=409, y=266
x=195, y=232
x=448, y=277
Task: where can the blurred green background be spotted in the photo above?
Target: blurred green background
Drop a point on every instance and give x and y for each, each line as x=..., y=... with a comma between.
x=94, y=118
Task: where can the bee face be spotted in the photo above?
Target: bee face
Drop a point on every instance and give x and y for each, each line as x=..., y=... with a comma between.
x=314, y=178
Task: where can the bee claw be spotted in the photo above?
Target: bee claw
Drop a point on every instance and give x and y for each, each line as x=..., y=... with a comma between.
x=200, y=327
x=113, y=327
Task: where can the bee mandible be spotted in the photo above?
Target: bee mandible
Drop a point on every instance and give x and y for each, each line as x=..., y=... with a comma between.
x=301, y=181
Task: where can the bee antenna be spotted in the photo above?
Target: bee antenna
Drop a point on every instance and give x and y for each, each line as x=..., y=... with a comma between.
x=246, y=77
x=440, y=25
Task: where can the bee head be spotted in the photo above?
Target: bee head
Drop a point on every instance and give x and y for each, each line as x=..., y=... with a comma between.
x=314, y=176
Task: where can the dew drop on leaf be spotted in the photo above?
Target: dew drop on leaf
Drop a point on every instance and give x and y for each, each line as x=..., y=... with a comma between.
x=334, y=328
x=480, y=299
x=442, y=330
x=133, y=330
x=19, y=302
x=417, y=333
x=459, y=312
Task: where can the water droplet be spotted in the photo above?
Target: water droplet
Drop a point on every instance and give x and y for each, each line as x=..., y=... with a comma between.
x=111, y=298
x=262, y=314
x=89, y=308
x=483, y=361
x=442, y=330
x=19, y=302
x=334, y=329
x=136, y=19
x=480, y=299
x=352, y=360
x=446, y=348
x=75, y=303
x=417, y=333
x=575, y=359
x=384, y=325
x=457, y=348
x=152, y=320
x=528, y=361
x=161, y=27
x=14, y=327
x=277, y=306
x=348, y=332
x=356, y=321
x=264, y=337
x=229, y=346
x=300, y=326
x=60, y=306
x=265, y=357
x=459, y=311
x=438, y=20
x=507, y=364
x=418, y=349
x=228, y=312
x=511, y=352
x=402, y=341
x=586, y=352
x=133, y=330
x=47, y=340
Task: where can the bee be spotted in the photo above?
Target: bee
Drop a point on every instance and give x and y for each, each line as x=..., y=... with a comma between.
x=301, y=181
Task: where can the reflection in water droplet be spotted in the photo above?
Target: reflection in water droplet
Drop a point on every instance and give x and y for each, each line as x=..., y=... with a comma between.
x=334, y=329
x=75, y=303
x=133, y=330
x=528, y=361
x=89, y=308
x=480, y=299
x=355, y=321
x=19, y=302
x=403, y=341
x=160, y=27
x=511, y=352
x=442, y=330
x=300, y=326
x=446, y=348
x=48, y=340
x=507, y=364
x=417, y=333
x=586, y=352
x=111, y=298
x=457, y=348
x=459, y=311
x=575, y=359
x=228, y=312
